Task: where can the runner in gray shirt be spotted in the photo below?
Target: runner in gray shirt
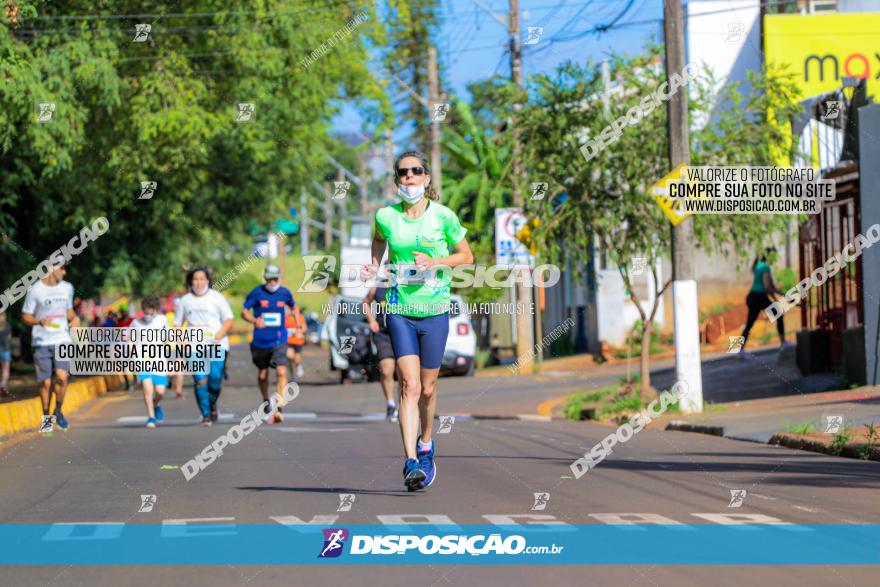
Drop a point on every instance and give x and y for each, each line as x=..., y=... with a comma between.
x=48, y=308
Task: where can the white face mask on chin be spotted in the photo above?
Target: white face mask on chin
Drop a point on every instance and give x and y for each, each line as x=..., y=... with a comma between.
x=201, y=292
x=273, y=287
x=411, y=194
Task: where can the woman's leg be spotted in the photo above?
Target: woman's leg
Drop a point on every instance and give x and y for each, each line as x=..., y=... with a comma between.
x=780, y=328
x=215, y=383
x=386, y=379
x=754, y=310
x=428, y=403
x=200, y=387
x=148, y=397
x=160, y=394
x=433, y=333
x=4, y=373
x=410, y=393
x=178, y=385
x=405, y=342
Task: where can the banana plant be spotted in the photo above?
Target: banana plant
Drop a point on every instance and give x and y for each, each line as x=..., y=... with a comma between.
x=477, y=178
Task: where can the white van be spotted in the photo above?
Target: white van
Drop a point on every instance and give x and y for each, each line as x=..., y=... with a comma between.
x=461, y=346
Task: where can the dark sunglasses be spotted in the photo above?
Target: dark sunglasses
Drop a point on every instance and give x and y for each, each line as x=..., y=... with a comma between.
x=402, y=171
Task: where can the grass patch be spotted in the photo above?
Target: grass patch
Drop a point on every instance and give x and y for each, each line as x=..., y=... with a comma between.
x=711, y=407
x=610, y=401
x=579, y=400
x=799, y=427
x=715, y=311
x=630, y=402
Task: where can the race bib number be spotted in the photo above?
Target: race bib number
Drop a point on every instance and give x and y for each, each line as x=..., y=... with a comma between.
x=58, y=322
x=271, y=318
x=410, y=275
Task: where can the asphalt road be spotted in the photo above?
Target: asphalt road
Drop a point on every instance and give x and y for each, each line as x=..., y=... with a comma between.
x=334, y=442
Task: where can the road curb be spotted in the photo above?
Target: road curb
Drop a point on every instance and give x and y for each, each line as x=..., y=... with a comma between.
x=679, y=426
x=796, y=442
x=524, y=417
x=23, y=415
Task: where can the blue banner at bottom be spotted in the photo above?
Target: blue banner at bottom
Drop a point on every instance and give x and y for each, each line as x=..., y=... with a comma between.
x=214, y=544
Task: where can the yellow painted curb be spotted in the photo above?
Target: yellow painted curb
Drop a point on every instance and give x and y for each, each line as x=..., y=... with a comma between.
x=26, y=414
x=545, y=408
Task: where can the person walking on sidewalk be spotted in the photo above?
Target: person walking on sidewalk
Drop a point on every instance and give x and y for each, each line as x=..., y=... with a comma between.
x=265, y=307
x=758, y=298
x=5, y=354
x=153, y=384
x=48, y=309
x=297, y=328
x=377, y=318
x=419, y=234
x=207, y=309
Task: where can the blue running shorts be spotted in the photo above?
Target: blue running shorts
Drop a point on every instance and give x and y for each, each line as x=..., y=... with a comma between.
x=156, y=378
x=425, y=337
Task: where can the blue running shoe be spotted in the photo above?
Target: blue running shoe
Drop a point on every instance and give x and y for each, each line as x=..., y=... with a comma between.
x=427, y=465
x=61, y=420
x=413, y=476
x=151, y=422
x=160, y=413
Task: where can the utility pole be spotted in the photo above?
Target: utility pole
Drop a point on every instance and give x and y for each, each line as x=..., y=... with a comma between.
x=516, y=74
x=524, y=322
x=362, y=189
x=389, y=165
x=688, y=368
x=519, y=293
x=304, y=222
x=340, y=176
x=328, y=220
x=281, y=239
x=434, y=89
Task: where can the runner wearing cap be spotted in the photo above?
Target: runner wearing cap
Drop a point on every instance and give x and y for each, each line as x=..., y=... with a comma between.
x=265, y=307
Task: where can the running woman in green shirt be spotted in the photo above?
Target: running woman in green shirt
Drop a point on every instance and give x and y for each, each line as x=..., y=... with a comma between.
x=425, y=240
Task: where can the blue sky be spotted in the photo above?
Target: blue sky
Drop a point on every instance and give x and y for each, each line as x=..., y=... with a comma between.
x=473, y=45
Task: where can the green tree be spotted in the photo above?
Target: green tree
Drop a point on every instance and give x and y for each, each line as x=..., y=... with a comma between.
x=608, y=207
x=166, y=110
x=411, y=28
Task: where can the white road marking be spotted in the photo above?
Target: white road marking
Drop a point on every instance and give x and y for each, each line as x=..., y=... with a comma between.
x=764, y=496
x=223, y=417
x=295, y=429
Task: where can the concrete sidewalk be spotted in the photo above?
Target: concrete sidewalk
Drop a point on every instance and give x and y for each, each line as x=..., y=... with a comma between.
x=762, y=374
x=759, y=419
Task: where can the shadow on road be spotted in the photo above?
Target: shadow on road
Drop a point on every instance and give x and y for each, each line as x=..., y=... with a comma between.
x=357, y=490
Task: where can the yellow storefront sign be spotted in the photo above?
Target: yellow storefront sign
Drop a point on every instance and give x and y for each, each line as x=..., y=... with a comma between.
x=821, y=49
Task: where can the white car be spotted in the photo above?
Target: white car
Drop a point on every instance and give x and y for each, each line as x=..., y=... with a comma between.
x=461, y=345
